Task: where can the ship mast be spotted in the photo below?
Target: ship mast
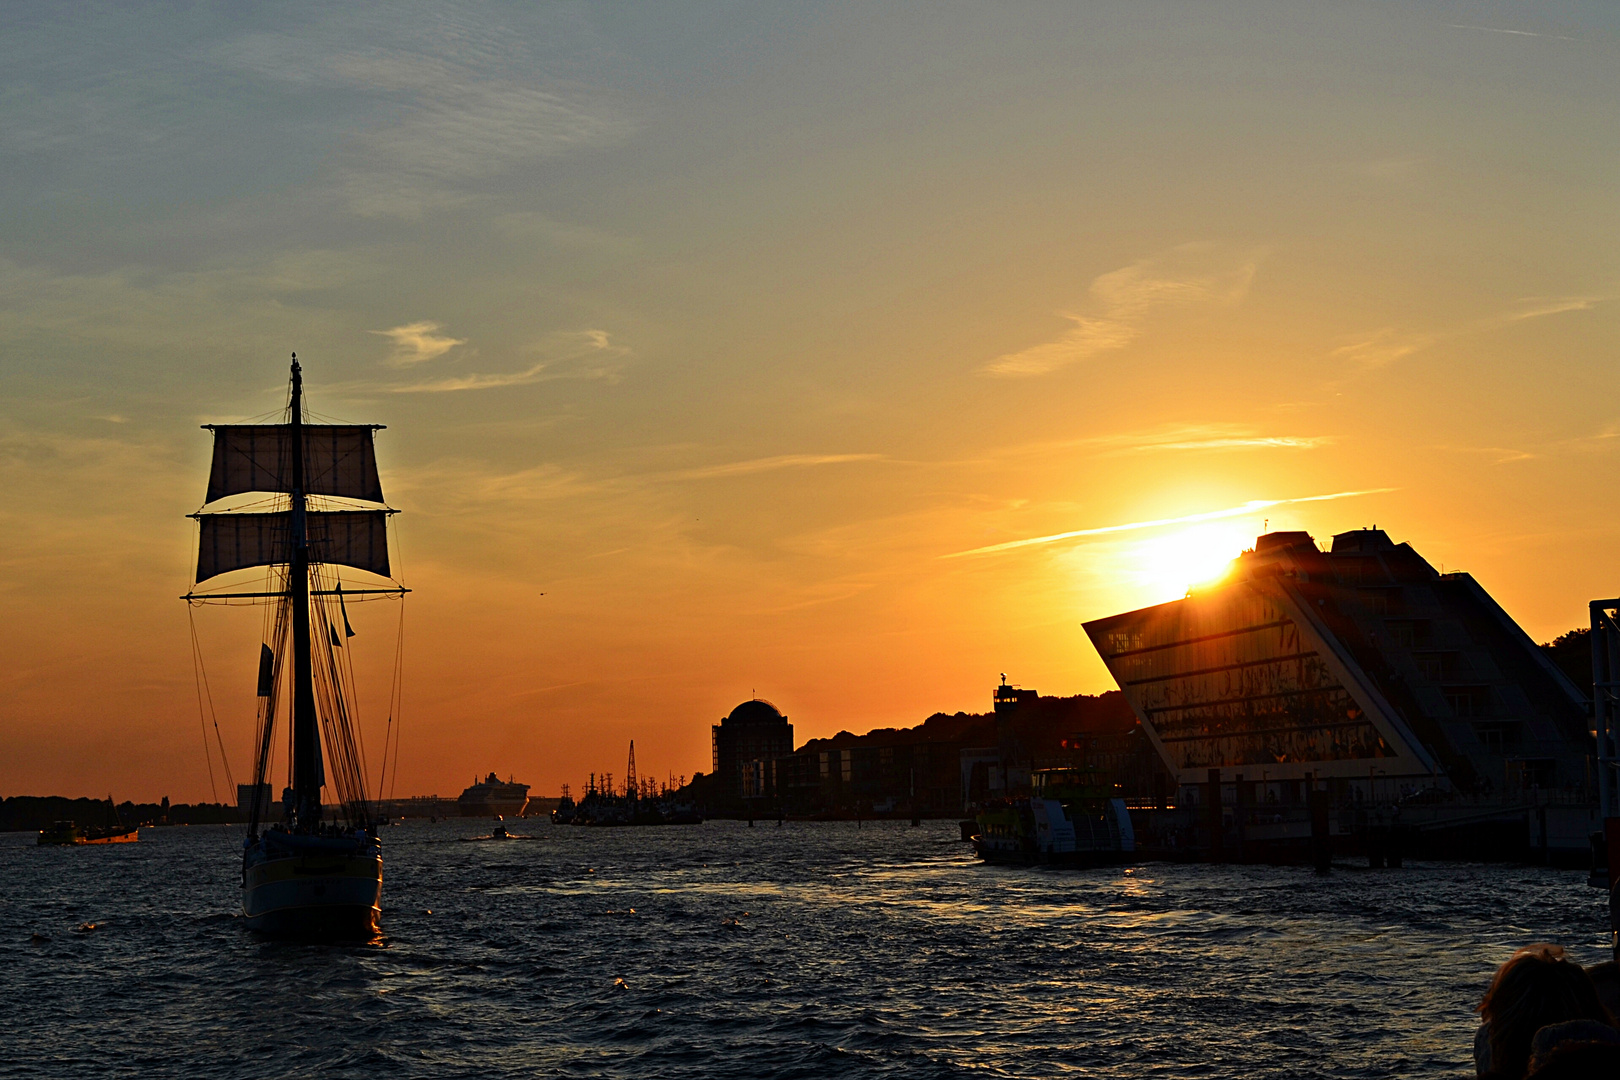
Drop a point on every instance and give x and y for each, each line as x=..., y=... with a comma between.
x=307, y=773
x=298, y=459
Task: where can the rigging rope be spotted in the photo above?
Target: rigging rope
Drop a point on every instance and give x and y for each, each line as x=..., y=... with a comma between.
x=337, y=718
x=395, y=689
x=213, y=713
x=202, y=717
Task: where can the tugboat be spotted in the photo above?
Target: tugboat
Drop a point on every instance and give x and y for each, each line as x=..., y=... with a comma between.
x=303, y=875
x=1070, y=819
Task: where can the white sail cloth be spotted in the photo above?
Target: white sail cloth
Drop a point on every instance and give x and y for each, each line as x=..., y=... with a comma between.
x=339, y=459
x=357, y=538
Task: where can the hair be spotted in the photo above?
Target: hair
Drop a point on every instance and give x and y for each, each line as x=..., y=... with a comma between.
x=1536, y=987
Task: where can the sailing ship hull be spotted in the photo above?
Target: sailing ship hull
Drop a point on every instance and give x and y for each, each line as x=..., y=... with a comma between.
x=313, y=887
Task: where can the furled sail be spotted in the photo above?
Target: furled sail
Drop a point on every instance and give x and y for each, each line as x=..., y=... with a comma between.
x=338, y=460
x=267, y=671
x=357, y=538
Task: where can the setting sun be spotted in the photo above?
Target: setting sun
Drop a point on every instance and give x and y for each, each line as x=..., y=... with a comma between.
x=1176, y=561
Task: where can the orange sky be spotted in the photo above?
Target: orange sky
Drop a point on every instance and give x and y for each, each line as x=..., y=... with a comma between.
x=709, y=339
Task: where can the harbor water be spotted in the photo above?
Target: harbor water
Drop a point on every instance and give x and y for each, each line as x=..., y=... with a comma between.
x=719, y=950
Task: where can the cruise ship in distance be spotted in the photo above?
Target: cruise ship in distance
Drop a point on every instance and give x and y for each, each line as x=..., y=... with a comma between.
x=488, y=797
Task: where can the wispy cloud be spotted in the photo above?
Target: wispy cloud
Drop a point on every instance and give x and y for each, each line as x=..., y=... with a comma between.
x=1535, y=307
x=1209, y=437
x=446, y=103
x=1505, y=30
x=1288, y=442
x=1382, y=347
x=1122, y=300
x=417, y=343
x=770, y=464
x=586, y=354
x=1249, y=507
x=1185, y=437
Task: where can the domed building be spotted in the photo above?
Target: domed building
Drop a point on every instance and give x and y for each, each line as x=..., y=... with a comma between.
x=752, y=735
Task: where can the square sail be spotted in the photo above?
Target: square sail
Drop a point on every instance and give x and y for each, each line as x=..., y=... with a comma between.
x=357, y=538
x=339, y=459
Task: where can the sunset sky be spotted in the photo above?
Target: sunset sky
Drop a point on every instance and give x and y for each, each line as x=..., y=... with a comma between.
x=717, y=342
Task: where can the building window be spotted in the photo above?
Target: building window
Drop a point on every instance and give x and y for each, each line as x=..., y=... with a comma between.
x=1436, y=666
x=1499, y=736
x=1533, y=772
x=1468, y=701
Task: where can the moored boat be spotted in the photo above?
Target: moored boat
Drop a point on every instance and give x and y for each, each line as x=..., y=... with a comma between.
x=1069, y=818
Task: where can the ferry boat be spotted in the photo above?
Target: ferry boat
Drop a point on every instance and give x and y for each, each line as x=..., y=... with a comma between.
x=491, y=798
x=306, y=874
x=1069, y=818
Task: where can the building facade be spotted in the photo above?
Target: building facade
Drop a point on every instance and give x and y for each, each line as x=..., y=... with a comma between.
x=745, y=742
x=1361, y=663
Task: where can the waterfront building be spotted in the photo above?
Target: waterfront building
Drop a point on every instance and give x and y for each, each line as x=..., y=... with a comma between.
x=1361, y=665
x=751, y=736
x=947, y=763
x=245, y=800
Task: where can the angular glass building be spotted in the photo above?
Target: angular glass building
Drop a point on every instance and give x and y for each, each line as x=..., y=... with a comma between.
x=1360, y=663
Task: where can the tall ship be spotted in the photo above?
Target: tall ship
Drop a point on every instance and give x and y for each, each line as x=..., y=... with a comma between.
x=313, y=870
x=490, y=798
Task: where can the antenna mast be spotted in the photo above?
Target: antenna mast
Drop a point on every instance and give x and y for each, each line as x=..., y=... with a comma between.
x=630, y=772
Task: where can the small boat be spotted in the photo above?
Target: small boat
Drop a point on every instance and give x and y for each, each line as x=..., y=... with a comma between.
x=1070, y=818
x=304, y=875
x=499, y=832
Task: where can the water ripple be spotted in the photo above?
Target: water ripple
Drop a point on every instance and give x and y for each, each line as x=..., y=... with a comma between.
x=810, y=950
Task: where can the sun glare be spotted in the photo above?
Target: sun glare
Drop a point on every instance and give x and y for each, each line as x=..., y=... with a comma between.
x=1174, y=562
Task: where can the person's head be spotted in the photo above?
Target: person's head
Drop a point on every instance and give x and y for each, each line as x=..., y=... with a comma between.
x=1536, y=987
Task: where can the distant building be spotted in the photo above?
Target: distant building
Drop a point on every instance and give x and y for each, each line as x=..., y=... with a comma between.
x=245, y=799
x=752, y=736
x=948, y=762
x=1015, y=757
x=1361, y=664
